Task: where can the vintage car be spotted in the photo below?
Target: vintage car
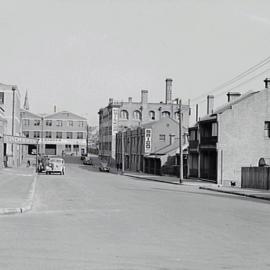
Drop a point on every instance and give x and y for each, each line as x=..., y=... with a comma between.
x=55, y=165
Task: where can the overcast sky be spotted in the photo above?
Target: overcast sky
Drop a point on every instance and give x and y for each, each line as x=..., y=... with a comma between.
x=75, y=54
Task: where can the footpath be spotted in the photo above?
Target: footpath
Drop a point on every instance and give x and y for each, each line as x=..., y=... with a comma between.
x=17, y=187
x=252, y=193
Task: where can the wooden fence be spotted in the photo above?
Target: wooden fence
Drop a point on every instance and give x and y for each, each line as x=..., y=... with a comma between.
x=255, y=177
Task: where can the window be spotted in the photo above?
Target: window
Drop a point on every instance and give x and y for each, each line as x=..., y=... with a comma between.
x=137, y=115
x=69, y=135
x=166, y=114
x=26, y=122
x=36, y=134
x=59, y=123
x=176, y=115
x=79, y=135
x=58, y=135
x=68, y=147
x=214, y=129
x=26, y=134
x=48, y=134
x=70, y=123
x=162, y=137
x=80, y=123
x=76, y=148
x=152, y=115
x=49, y=123
x=1, y=97
x=124, y=114
x=267, y=129
x=192, y=135
x=36, y=122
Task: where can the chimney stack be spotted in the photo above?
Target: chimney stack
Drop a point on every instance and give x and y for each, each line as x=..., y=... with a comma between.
x=130, y=99
x=54, y=108
x=266, y=82
x=233, y=96
x=210, y=104
x=168, y=97
x=144, y=96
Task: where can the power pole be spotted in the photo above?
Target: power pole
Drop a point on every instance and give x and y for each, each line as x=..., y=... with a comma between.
x=87, y=130
x=180, y=144
x=123, y=152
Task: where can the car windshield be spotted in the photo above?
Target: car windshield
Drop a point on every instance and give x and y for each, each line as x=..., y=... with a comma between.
x=56, y=160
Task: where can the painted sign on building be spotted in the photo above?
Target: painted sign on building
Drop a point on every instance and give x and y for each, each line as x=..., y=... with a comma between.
x=114, y=121
x=148, y=141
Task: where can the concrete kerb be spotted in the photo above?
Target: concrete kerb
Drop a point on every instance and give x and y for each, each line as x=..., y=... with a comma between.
x=236, y=193
x=29, y=201
x=150, y=179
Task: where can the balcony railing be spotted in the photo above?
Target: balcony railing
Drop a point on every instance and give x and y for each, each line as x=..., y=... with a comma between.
x=208, y=140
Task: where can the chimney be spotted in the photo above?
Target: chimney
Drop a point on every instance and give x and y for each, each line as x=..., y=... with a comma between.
x=210, y=104
x=168, y=97
x=144, y=96
x=54, y=108
x=197, y=113
x=233, y=96
x=266, y=82
x=130, y=99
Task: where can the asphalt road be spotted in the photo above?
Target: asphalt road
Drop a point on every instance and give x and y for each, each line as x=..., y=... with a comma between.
x=92, y=220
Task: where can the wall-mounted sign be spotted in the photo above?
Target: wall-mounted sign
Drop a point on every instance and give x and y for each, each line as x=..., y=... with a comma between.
x=148, y=141
x=19, y=140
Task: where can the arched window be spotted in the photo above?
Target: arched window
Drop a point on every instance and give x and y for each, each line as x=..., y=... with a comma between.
x=124, y=114
x=176, y=115
x=152, y=115
x=137, y=115
x=166, y=114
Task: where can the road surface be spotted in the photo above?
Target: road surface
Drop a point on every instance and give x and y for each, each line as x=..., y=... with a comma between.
x=92, y=220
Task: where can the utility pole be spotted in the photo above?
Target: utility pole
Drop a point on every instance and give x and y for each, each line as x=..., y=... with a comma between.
x=13, y=120
x=123, y=152
x=180, y=144
x=42, y=128
x=87, y=130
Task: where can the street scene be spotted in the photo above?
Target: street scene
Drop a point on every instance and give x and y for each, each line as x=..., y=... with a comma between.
x=134, y=135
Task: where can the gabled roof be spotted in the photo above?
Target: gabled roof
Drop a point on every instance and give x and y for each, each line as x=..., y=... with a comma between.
x=65, y=115
x=227, y=106
x=29, y=114
x=164, y=119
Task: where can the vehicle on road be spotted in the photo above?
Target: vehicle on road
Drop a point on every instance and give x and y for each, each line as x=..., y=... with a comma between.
x=103, y=167
x=55, y=165
x=88, y=161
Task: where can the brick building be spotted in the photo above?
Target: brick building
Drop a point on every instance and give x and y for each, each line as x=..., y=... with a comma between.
x=147, y=148
x=230, y=137
x=57, y=133
x=117, y=115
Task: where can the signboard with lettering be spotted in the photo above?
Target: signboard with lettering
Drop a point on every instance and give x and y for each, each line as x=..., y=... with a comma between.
x=19, y=140
x=148, y=141
x=114, y=121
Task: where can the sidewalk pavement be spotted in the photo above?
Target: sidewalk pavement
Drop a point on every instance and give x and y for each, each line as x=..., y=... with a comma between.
x=17, y=186
x=252, y=193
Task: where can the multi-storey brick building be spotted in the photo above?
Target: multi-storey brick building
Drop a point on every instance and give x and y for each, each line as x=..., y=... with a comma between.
x=11, y=150
x=233, y=136
x=58, y=133
x=131, y=114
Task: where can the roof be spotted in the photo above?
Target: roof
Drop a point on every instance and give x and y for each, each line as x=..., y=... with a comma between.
x=227, y=106
x=152, y=123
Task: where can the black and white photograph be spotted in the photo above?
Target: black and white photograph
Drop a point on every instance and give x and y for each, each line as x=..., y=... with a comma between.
x=134, y=134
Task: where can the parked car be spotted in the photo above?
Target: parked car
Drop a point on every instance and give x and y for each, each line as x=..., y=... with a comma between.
x=55, y=165
x=103, y=167
x=87, y=161
x=83, y=156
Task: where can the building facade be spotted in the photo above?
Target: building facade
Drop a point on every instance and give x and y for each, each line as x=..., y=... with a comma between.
x=233, y=136
x=10, y=102
x=118, y=115
x=149, y=148
x=57, y=134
